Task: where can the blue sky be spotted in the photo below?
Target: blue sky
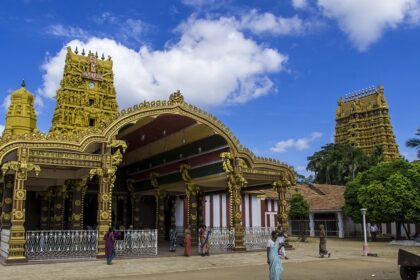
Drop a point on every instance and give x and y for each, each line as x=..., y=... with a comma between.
x=272, y=71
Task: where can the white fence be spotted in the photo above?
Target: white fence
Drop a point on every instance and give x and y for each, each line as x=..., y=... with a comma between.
x=221, y=239
x=256, y=238
x=61, y=244
x=74, y=244
x=133, y=243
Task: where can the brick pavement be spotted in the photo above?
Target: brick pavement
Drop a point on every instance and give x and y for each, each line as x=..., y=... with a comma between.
x=303, y=252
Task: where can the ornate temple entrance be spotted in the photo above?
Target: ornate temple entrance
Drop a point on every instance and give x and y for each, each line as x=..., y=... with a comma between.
x=141, y=170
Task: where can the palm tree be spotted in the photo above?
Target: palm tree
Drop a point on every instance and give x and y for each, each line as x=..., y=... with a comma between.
x=415, y=143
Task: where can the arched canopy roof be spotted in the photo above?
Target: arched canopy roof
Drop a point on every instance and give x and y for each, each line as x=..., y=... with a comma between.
x=89, y=140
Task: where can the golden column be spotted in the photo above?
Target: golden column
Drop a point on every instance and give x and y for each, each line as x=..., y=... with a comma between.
x=191, y=191
x=106, y=176
x=160, y=196
x=79, y=188
x=1, y=195
x=59, y=198
x=281, y=187
x=235, y=182
x=7, y=201
x=21, y=167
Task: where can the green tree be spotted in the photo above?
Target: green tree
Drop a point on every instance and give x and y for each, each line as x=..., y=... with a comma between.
x=415, y=143
x=390, y=191
x=302, y=179
x=339, y=163
x=299, y=209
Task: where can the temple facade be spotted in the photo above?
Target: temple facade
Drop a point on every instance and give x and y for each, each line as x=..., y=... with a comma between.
x=142, y=170
x=362, y=120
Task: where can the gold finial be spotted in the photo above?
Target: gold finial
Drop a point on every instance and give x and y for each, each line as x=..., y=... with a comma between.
x=96, y=54
x=23, y=84
x=103, y=56
x=83, y=52
x=76, y=51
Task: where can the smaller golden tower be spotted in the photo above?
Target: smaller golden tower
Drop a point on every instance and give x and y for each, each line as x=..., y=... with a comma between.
x=21, y=117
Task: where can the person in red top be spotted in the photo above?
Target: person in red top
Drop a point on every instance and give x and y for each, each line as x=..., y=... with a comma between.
x=187, y=242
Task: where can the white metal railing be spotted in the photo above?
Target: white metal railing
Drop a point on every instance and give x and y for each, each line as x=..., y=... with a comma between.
x=256, y=237
x=61, y=244
x=136, y=242
x=297, y=227
x=220, y=239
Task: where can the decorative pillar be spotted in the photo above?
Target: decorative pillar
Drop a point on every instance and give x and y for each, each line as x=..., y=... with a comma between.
x=281, y=187
x=59, y=197
x=79, y=189
x=160, y=214
x=160, y=196
x=340, y=221
x=125, y=212
x=135, y=206
x=6, y=216
x=21, y=167
x=173, y=212
x=135, y=198
x=106, y=176
x=1, y=196
x=311, y=225
x=200, y=205
x=68, y=201
x=235, y=182
x=191, y=191
x=45, y=209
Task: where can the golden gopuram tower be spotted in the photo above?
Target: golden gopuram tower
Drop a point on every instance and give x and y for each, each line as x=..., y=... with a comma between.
x=362, y=120
x=21, y=117
x=86, y=97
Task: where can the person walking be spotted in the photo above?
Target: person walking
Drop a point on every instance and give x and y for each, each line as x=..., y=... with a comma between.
x=273, y=259
x=281, y=239
x=323, y=242
x=172, y=239
x=187, y=242
x=109, y=238
x=205, y=246
x=373, y=231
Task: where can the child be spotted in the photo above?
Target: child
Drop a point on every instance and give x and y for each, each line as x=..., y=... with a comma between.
x=281, y=239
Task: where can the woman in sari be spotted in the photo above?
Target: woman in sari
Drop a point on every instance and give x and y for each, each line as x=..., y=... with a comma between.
x=323, y=242
x=205, y=246
x=187, y=242
x=273, y=260
x=109, y=238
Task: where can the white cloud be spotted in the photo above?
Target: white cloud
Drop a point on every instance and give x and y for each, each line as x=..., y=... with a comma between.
x=212, y=59
x=132, y=29
x=299, y=144
x=105, y=17
x=6, y=103
x=301, y=168
x=276, y=25
x=67, y=31
x=364, y=21
x=299, y=4
x=1, y=128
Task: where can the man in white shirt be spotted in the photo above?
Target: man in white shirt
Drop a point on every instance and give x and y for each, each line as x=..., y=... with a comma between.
x=373, y=231
x=281, y=240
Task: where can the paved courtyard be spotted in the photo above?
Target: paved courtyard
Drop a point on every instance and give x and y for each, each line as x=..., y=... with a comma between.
x=346, y=262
